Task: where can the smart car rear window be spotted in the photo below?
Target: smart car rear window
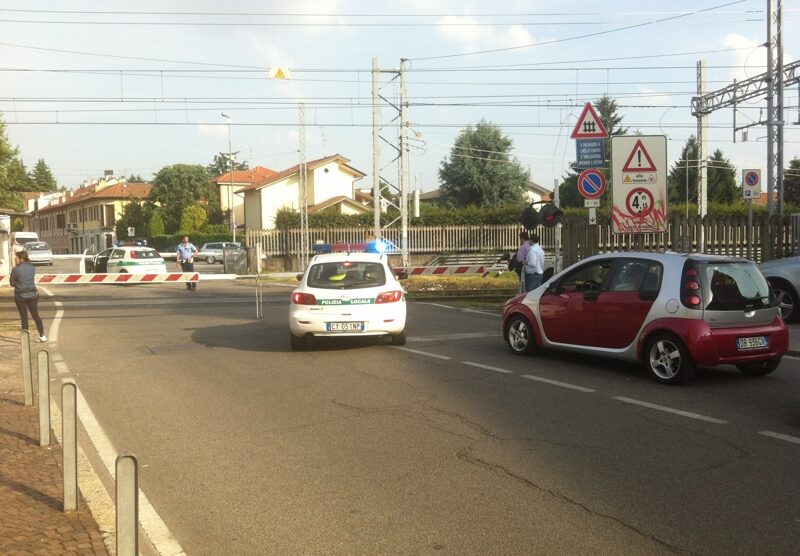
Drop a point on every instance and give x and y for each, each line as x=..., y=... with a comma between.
x=345, y=275
x=735, y=287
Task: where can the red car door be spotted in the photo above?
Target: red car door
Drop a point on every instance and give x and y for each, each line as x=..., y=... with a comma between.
x=622, y=309
x=568, y=309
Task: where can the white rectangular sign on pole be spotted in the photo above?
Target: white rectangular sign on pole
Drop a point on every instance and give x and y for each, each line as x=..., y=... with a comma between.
x=639, y=183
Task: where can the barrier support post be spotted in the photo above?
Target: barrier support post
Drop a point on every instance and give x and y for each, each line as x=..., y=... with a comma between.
x=127, y=502
x=27, y=371
x=44, y=398
x=69, y=442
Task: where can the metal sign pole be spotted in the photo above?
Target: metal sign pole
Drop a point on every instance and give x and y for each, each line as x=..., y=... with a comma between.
x=750, y=229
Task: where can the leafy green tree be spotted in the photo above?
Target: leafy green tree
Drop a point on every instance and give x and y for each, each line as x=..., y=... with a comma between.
x=135, y=178
x=481, y=170
x=193, y=219
x=9, y=196
x=608, y=111
x=684, y=173
x=42, y=177
x=133, y=215
x=722, y=186
x=791, y=182
x=18, y=177
x=179, y=186
x=222, y=164
x=156, y=224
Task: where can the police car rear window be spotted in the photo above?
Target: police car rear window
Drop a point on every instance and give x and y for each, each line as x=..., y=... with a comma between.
x=37, y=247
x=142, y=254
x=346, y=275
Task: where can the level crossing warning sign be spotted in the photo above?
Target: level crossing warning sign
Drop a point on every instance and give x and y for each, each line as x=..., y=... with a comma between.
x=589, y=125
x=639, y=178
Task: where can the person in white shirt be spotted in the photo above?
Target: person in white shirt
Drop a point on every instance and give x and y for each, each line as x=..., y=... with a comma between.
x=534, y=265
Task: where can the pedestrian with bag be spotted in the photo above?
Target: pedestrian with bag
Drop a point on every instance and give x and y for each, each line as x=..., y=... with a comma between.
x=26, y=296
x=534, y=265
x=186, y=252
x=520, y=257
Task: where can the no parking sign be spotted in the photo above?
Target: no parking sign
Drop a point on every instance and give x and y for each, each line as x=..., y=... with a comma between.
x=751, y=184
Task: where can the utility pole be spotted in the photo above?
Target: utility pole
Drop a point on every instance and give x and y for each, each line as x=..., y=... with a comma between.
x=702, y=167
x=303, y=201
x=404, y=163
x=376, y=150
x=231, y=166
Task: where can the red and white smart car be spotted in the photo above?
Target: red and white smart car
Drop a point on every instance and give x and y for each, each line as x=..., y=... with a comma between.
x=668, y=311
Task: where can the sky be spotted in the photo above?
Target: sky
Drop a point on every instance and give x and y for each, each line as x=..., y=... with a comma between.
x=91, y=86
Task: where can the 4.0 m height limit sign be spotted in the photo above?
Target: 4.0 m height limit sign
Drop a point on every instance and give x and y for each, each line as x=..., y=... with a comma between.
x=639, y=183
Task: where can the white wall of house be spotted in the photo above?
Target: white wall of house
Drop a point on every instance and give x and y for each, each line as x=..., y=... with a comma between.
x=330, y=181
x=226, y=193
x=282, y=194
x=252, y=212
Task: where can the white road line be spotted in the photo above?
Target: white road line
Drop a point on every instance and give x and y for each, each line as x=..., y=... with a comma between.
x=152, y=524
x=665, y=409
x=791, y=357
x=436, y=305
x=425, y=353
x=481, y=312
x=779, y=436
x=445, y=337
x=558, y=383
x=61, y=367
x=488, y=367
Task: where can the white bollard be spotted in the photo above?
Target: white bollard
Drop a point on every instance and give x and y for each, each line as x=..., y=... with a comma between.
x=69, y=442
x=127, y=502
x=44, y=398
x=27, y=372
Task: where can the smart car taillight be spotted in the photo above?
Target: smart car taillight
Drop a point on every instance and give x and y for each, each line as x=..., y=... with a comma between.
x=300, y=298
x=691, y=294
x=389, y=297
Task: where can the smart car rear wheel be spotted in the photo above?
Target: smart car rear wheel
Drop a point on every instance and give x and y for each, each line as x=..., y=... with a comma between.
x=668, y=360
x=297, y=342
x=761, y=368
x=520, y=337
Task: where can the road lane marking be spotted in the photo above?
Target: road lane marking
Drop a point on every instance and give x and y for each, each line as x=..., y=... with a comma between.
x=425, y=353
x=558, y=383
x=152, y=524
x=488, y=367
x=665, y=409
x=445, y=337
x=480, y=312
x=436, y=305
x=796, y=358
x=779, y=436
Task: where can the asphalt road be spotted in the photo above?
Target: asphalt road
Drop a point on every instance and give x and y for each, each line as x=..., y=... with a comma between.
x=449, y=445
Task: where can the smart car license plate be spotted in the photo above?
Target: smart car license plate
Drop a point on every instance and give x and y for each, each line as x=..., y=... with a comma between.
x=753, y=342
x=345, y=326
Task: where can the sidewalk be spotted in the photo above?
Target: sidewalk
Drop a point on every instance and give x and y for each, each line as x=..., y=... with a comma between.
x=31, y=488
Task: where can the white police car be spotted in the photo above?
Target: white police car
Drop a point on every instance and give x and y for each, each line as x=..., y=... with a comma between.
x=348, y=293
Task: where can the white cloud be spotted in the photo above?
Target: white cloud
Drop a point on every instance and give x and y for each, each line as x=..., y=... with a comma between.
x=751, y=61
x=476, y=37
x=213, y=130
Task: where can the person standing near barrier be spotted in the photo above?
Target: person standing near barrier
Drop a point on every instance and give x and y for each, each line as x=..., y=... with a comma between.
x=534, y=265
x=521, y=256
x=26, y=296
x=186, y=252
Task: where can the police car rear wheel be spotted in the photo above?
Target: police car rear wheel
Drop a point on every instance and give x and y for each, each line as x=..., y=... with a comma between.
x=399, y=339
x=297, y=342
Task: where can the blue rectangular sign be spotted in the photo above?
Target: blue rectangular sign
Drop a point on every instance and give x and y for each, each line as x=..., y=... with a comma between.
x=591, y=153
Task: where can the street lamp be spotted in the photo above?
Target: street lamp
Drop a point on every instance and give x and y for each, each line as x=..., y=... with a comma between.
x=230, y=175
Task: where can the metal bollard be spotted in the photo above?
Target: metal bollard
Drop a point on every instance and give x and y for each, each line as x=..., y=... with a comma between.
x=69, y=442
x=127, y=502
x=27, y=372
x=44, y=398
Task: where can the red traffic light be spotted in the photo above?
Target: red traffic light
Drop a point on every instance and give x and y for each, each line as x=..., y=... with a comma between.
x=549, y=215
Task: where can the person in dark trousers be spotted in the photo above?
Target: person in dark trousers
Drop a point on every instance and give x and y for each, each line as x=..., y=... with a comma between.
x=186, y=252
x=521, y=256
x=26, y=296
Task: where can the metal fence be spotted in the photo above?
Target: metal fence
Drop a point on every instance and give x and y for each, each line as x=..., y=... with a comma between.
x=772, y=238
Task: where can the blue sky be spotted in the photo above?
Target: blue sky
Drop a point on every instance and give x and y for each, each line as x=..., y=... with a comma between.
x=172, y=74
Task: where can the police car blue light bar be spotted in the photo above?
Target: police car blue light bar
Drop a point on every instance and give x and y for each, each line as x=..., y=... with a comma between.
x=376, y=246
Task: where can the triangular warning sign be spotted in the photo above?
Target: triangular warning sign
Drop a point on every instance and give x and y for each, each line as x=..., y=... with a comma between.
x=639, y=160
x=589, y=125
x=279, y=74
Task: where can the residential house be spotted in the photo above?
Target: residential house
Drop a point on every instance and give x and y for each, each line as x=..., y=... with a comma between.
x=536, y=193
x=86, y=217
x=231, y=182
x=327, y=178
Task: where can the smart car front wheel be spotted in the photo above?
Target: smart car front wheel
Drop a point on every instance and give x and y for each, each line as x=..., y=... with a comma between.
x=520, y=337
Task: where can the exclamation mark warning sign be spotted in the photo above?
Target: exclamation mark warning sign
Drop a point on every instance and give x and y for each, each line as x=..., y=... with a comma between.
x=639, y=160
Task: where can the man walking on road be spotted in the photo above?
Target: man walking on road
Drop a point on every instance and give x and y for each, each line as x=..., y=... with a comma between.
x=534, y=265
x=186, y=251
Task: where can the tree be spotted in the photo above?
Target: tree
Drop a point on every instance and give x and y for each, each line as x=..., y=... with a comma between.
x=17, y=175
x=608, y=111
x=135, y=178
x=42, y=177
x=133, y=215
x=193, y=219
x=481, y=171
x=156, y=224
x=684, y=173
x=9, y=194
x=179, y=186
x=222, y=164
x=722, y=187
x=791, y=182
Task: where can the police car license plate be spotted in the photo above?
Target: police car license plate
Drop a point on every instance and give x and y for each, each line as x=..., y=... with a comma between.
x=345, y=326
x=754, y=342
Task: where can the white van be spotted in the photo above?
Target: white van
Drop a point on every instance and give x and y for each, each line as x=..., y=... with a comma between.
x=19, y=239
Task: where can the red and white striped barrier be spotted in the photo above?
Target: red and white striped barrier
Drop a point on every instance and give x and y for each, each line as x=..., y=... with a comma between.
x=445, y=270
x=178, y=277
